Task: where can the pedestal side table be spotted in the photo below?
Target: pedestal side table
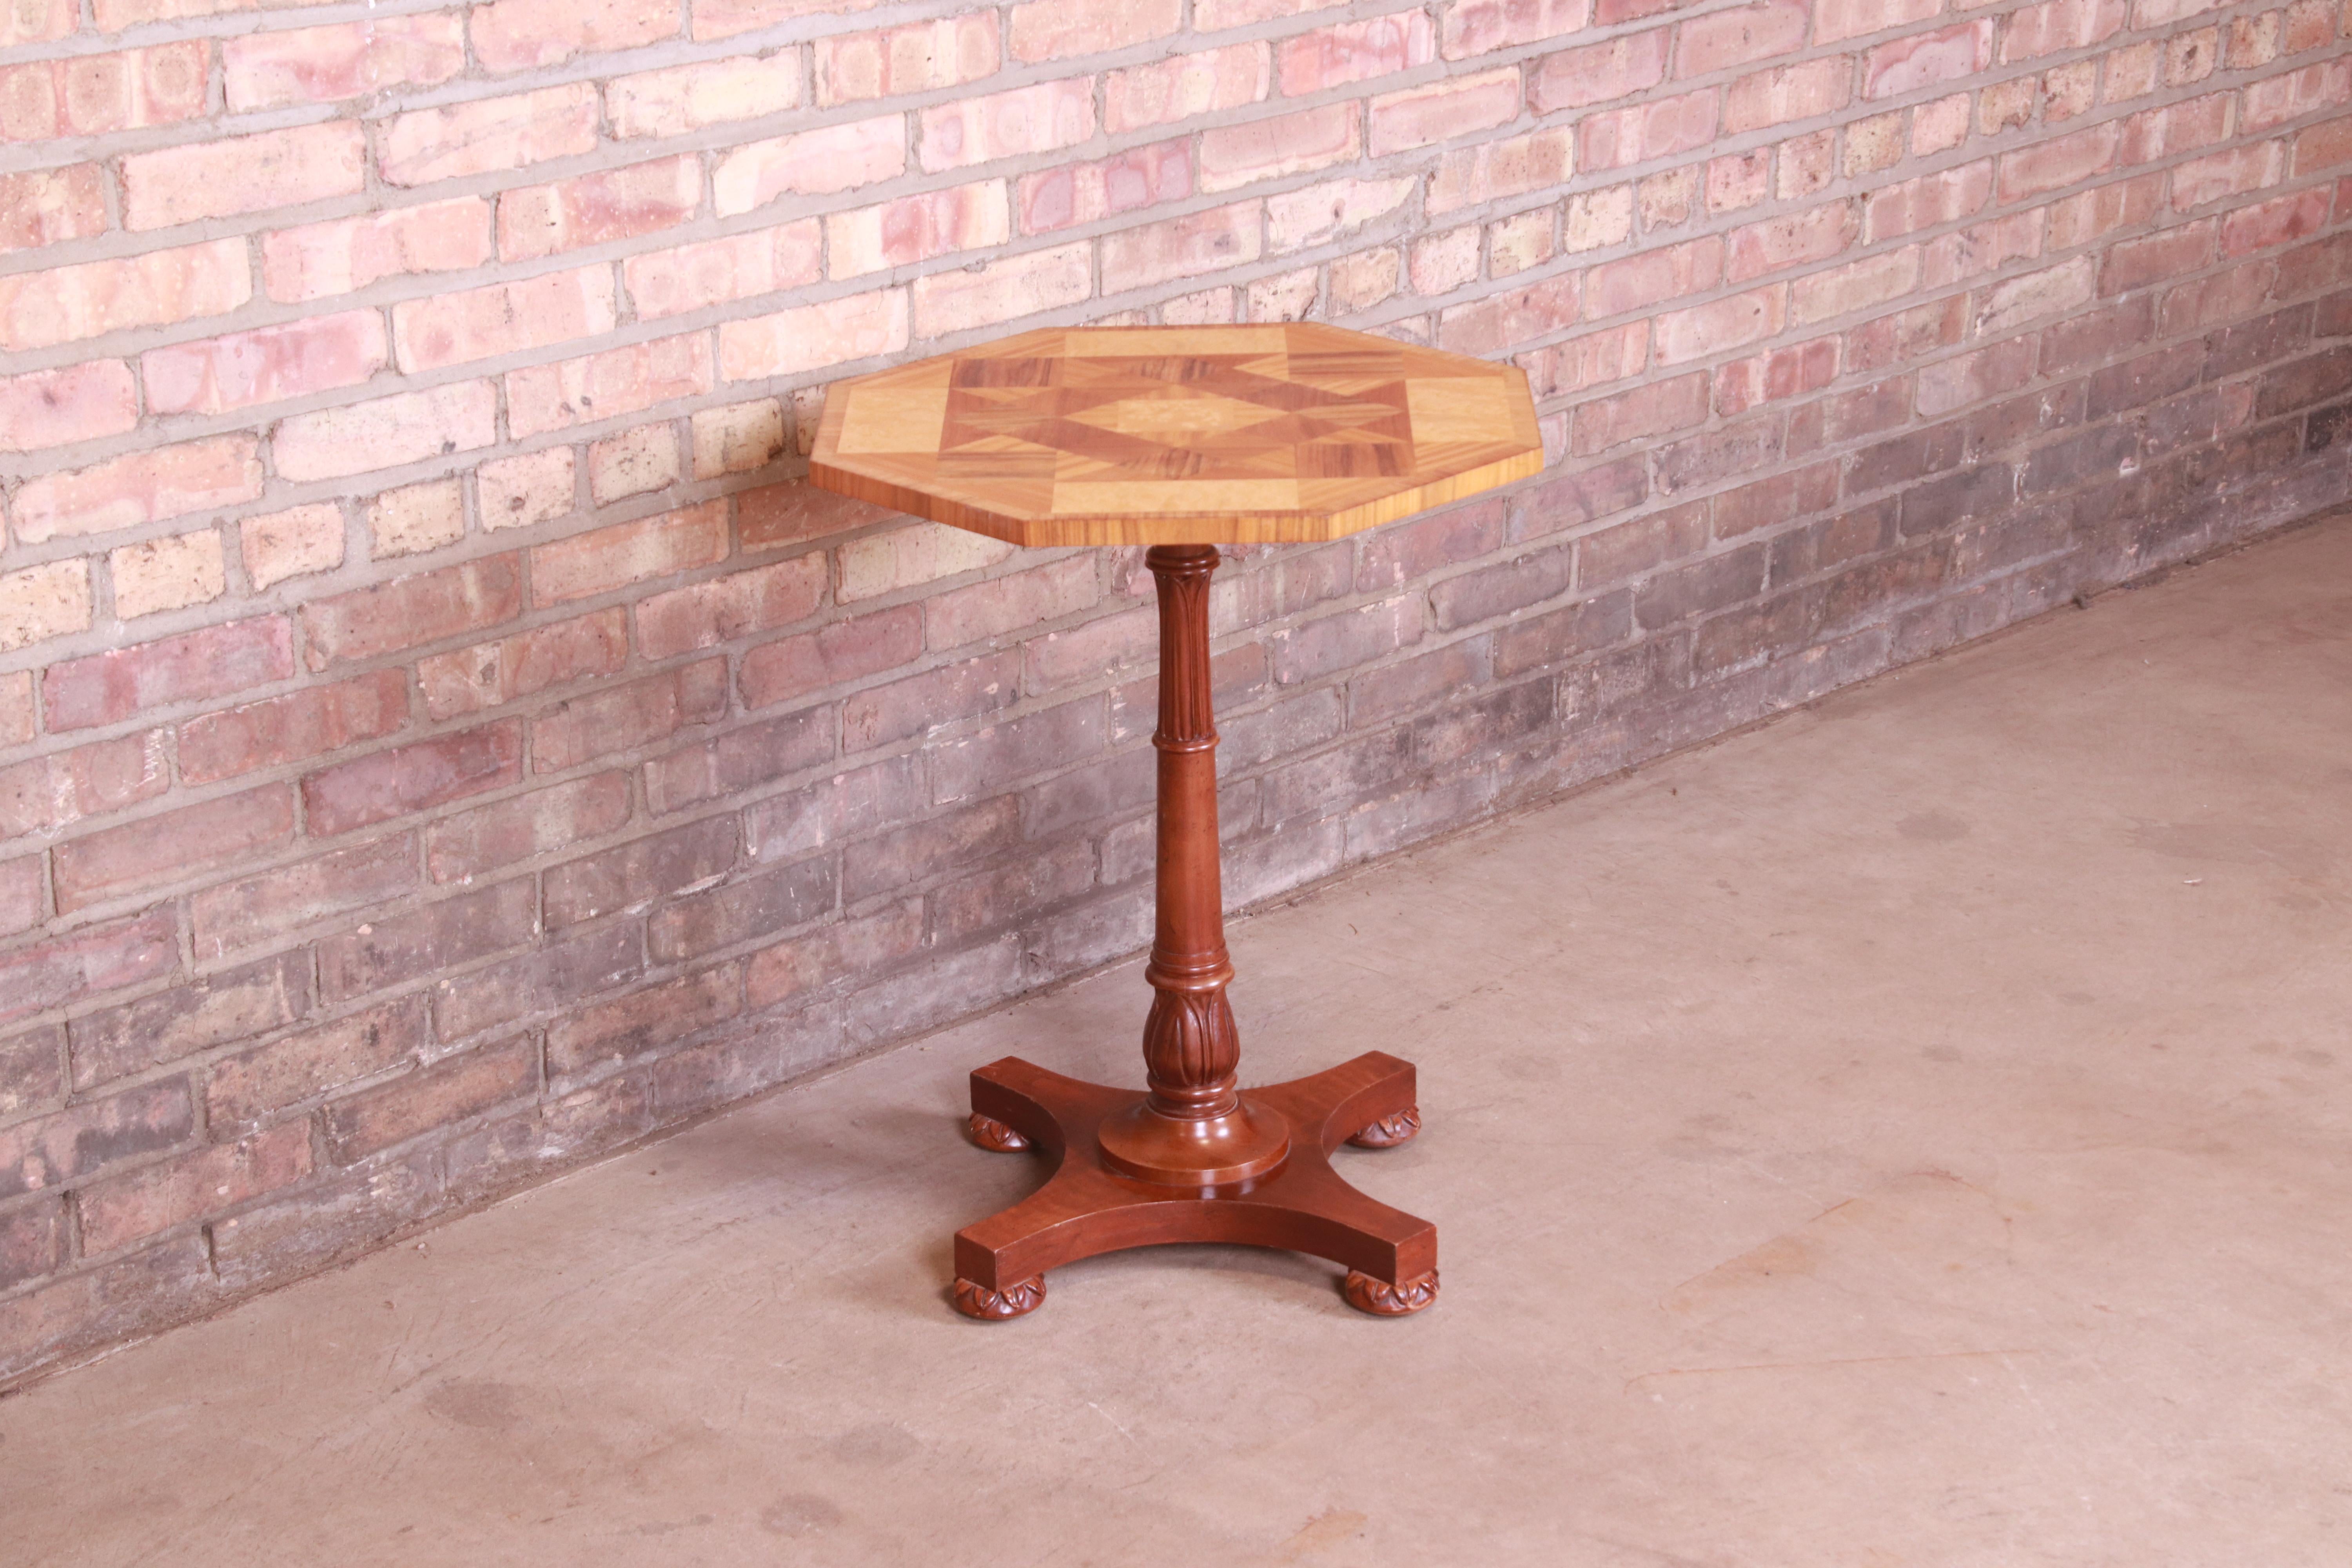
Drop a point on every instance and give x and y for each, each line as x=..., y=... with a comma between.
x=1182, y=439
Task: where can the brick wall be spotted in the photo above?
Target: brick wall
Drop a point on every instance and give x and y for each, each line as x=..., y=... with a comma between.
x=440, y=737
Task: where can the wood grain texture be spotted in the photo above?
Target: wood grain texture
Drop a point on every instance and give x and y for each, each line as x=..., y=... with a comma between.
x=1178, y=435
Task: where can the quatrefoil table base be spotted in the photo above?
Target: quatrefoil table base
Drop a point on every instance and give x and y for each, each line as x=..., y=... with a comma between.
x=1175, y=438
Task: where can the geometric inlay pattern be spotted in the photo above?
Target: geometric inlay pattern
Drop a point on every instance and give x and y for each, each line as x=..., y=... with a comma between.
x=1178, y=435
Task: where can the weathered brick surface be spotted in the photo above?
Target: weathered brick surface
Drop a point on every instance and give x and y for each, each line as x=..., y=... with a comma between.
x=442, y=734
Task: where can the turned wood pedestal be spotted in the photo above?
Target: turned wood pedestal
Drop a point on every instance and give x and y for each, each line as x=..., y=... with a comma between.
x=1176, y=437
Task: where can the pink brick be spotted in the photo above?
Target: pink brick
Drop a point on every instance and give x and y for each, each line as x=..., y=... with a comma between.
x=916, y=228
x=44, y=793
x=1928, y=201
x=1057, y=29
x=1315, y=213
x=289, y=729
x=2177, y=128
x=142, y=487
x=41, y=601
x=216, y=661
x=74, y=402
x=2157, y=257
x=2277, y=100
x=844, y=651
x=1002, y=290
x=1039, y=119
x=451, y=328
x=49, y=206
x=726, y=18
x=1857, y=286
x=493, y=674
x=708, y=614
x=810, y=162
x=1442, y=110
x=489, y=135
x=2228, y=174
x=718, y=92
x=2323, y=146
x=387, y=432
x=2274, y=222
x=763, y=261
x=1615, y=137
x=625, y=717
x=604, y=385
x=117, y=1213
x=633, y=462
x=1354, y=51
x=91, y=95
x=385, y=784
x=340, y=255
x=17, y=707
x=1488, y=170
x=96, y=958
x=35, y=21
x=173, y=846
x=1656, y=409
x=1576, y=78
x=812, y=337
x=1235, y=155
x=1476, y=26
x=595, y=209
x=1740, y=37
x=1499, y=321
x=924, y=57
x=1775, y=374
x=1836, y=20
x=1131, y=181
x=407, y=612
x=1184, y=87
x=1594, y=360
x=1152, y=254
x=321, y=64
x=550, y=819
x=250, y=174
x=2057, y=25
x=1793, y=92
x=2058, y=161
x=1730, y=323
x=1811, y=234
x=39, y=309
x=517, y=35
x=629, y=553
x=268, y=365
x=1636, y=282
x=1923, y=59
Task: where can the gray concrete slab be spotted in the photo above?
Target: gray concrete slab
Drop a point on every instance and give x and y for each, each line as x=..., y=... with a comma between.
x=1913, y=1132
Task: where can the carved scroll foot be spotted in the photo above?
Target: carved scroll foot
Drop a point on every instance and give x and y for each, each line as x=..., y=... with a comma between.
x=1389, y=1130
x=975, y=1300
x=991, y=1133
x=1382, y=1300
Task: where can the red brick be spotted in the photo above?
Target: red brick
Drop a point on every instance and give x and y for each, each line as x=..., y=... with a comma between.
x=883, y=714
x=2279, y=98
x=1601, y=423
x=1156, y=253
x=169, y=847
x=142, y=487
x=2059, y=24
x=43, y=793
x=60, y=1149
x=813, y=337
x=320, y=259
x=629, y=553
x=765, y=261
x=203, y=1182
x=810, y=162
x=1597, y=73
x=743, y=758
x=1354, y=51
x=49, y=206
x=261, y=908
x=845, y=651
x=1184, y=86
x=321, y=64
x=601, y=386
x=1615, y=138
x=472, y=843
x=1039, y=119
x=1836, y=20
x=72, y=403
x=1640, y=281
x=2274, y=222
x=729, y=607
x=489, y=134
x=268, y=365
x=2136, y=263
x=588, y=1039
x=2226, y=174
x=517, y=35
x=389, y=950
x=1965, y=379
x=1488, y=170
x=625, y=717
x=248, y=173
x=860, y=946
x=1857, y=286
x=1236, y=155
x=298, y=725
x=450, y=329
x=385, y=784
x=1739, y=36
x=167, y=1026
x=970, y=905
x=1923, y=59
x=32, y=1242
x=1592, y=360
x=599, y=207
x=335, y=443
x=1007, y=605
x=408, y=610
x=1928, y=201
x=490, y=675
x=1440, y=110
x=1814, y=234
x=1476, y=26
x=1792, y=92
x=776, y=515
x=1071, y=193
x=213, y=662
x=39, y=309
x=431, y=1098
x=1729, y=322
x=254, y=1084
x=2177, y=128
x=638, y=872
x=91, y=95
x=718, y=92
x=921, y=58
x=1490, y=325
x=1781, y=499
x=1056, y=29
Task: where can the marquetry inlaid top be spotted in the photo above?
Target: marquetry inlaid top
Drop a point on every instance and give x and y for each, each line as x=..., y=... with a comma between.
x=1178, y=435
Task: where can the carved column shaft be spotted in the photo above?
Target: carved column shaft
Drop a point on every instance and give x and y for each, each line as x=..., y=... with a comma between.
x=1191, y=1048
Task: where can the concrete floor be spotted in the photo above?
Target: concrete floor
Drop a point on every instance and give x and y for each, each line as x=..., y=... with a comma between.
x=1915, y=1132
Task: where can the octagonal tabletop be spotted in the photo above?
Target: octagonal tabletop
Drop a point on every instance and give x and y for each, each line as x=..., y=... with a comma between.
x=1178, y=435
